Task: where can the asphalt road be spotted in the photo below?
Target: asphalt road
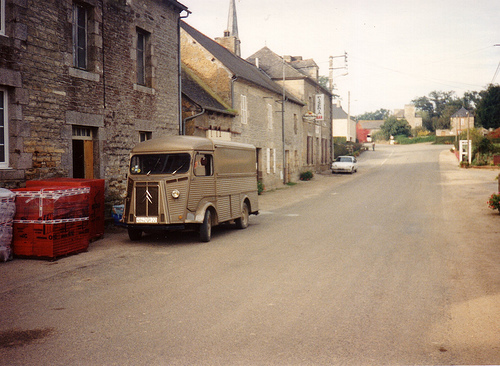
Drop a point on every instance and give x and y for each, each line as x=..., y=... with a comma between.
x=396, y=264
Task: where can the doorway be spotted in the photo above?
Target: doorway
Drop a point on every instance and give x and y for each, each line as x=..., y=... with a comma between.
x=83, y=152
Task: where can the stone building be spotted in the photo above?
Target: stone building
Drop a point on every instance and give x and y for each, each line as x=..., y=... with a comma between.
x=460, y=121
x=257, y=102
x=81, y=82
x=204, y=113
x=409, y=113
x=301, y=80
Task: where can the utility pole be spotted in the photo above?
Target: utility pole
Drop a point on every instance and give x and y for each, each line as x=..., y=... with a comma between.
x=283, y=124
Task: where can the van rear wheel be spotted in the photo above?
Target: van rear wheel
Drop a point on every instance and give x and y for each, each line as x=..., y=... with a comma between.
x=206, y=227
x=242, y=222
x=134, y=234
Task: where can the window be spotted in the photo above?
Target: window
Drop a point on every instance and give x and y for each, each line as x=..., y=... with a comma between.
x=80, y=17
x=145, y=135
x=4, y=130
x=2, y=17
x=244, y=110
x=203, y=165
x=295, y=123
x=269, y=116
x=142, y=56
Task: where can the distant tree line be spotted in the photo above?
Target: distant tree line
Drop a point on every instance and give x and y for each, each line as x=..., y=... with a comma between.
x=437, y=108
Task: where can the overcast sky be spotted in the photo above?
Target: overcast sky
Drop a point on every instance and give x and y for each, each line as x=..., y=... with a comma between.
x=397, y=49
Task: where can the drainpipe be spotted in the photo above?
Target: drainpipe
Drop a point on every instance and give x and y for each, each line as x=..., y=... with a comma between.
x=233, y=79
x=190, y=118
x=182, y=128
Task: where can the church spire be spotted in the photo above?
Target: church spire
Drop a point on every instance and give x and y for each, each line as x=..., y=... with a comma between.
x=232, y=21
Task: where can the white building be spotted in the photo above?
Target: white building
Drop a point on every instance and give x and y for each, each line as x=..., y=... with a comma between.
x=342, y=124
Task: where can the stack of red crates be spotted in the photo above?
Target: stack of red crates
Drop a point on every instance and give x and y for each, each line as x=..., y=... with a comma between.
x=51, y=222
x=96, y=199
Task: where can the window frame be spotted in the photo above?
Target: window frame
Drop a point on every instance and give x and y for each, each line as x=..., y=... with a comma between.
x=77, y=28
x=143, y=68
x=4, y=110
x=244, y=109
x=206, y=169
x=145, y=135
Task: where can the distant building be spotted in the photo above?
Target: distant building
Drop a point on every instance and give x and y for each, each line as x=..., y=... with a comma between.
x=409, y=114
x=343, y=125
x=366, y=128
x=460, y=121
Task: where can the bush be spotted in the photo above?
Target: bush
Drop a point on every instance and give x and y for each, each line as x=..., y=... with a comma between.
x=260, y=187
x=446, y=140
x=403, y=140
x=494, y=202
x=308, y=175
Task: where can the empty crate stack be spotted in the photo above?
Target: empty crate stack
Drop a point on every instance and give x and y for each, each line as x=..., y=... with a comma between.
x=96, y=199
x=51, y=221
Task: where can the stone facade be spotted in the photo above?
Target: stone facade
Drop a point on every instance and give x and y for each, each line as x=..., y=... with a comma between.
x=256, y=100
x=301, y=81
x=77, y=112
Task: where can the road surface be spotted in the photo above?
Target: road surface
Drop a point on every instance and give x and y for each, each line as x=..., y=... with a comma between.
x=395, y=264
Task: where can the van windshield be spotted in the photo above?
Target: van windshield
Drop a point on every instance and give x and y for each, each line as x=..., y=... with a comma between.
x=159, y=164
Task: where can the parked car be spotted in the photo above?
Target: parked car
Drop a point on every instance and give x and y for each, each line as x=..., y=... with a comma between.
x=345, y=164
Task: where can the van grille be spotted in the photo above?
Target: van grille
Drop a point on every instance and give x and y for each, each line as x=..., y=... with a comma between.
x=146, y=196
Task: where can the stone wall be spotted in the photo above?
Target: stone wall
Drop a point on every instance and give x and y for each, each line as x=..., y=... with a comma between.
x=48, y=96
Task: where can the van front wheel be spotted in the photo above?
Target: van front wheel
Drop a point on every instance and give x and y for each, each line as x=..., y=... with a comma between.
x=242, y=222
x=206, y=227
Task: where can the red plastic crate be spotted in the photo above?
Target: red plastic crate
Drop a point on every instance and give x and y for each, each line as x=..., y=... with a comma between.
x=96, y=199
x=51, y=203
x=51, y=238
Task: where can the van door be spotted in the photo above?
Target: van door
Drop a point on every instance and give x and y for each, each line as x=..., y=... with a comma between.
x=202, y=188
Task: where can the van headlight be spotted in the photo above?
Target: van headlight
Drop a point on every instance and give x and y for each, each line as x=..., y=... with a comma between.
x=176, y=193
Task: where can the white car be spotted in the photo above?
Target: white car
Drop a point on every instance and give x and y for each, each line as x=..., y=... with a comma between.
x=345, y=164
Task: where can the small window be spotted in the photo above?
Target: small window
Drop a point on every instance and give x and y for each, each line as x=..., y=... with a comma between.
x=244, y=109
x=80, y=21
x=203, y=165
x=82, y=133
x=4, y=130
x=145, y=135
x=142, y=57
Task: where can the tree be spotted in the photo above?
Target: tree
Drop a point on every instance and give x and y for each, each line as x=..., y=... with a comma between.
x=395, y=127
x=424, y=105
x=378, y=115
x=488, y=108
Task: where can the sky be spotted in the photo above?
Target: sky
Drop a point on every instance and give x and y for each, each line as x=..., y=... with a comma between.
x=398, y=50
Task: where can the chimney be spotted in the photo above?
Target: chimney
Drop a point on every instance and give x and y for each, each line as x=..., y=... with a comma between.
x=231, y=41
